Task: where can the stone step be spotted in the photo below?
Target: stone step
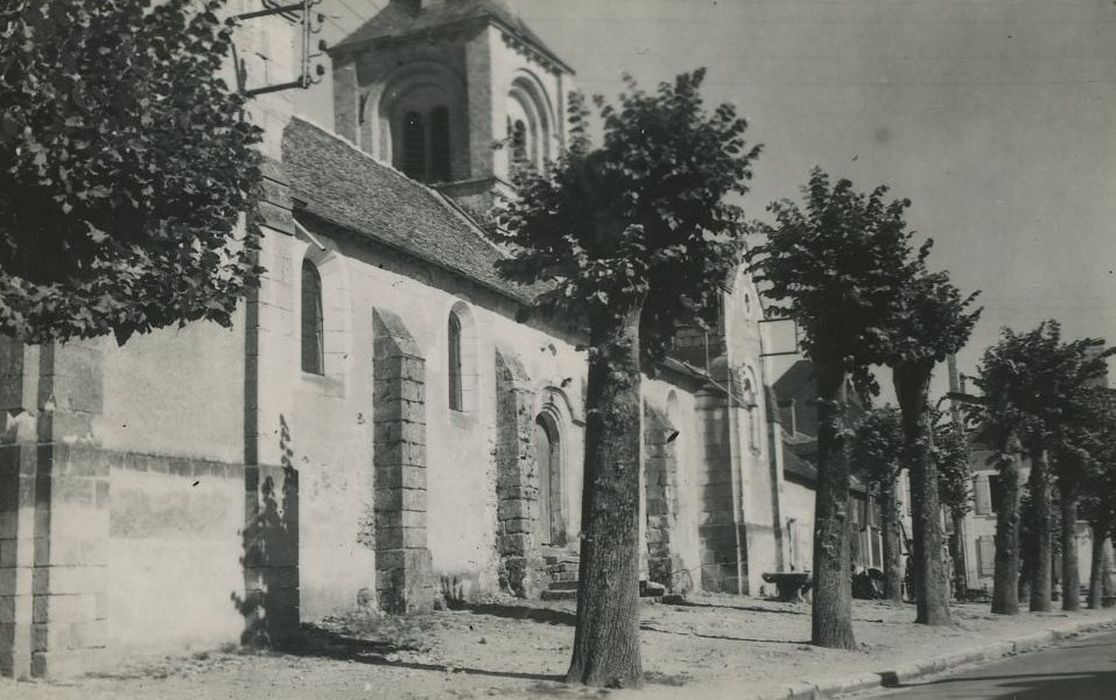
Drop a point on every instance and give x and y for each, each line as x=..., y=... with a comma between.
x=563, y=585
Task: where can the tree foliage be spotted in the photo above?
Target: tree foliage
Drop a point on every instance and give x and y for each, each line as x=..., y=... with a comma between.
x=1037, y=386
x=877, y=447
x=125, y=165
x=933, y=319
x=838, y=266
x=951, y=454
x=643, y=219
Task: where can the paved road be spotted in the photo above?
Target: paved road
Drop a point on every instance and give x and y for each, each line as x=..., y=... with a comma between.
x=1083, y=668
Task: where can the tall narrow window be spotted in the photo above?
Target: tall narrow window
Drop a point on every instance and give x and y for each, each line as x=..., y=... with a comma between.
x=456, y=398
x=313, y=354
x=519, y=143
x=439, y=145
x=414, y=146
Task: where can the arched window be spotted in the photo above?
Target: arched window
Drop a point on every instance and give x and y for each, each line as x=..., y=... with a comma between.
x=456, y=393
x=313, y=354
x=413, y=161
x=439, y=144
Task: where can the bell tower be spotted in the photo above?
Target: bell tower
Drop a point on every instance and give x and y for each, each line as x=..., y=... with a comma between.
x=452, y=93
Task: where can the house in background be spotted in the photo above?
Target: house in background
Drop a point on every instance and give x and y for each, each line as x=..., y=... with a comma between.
x=796, y=423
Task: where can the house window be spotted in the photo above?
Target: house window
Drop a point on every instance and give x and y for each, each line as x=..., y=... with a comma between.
x=456, y=393
x=313, y=355
x=426, y=145
x=986, y=556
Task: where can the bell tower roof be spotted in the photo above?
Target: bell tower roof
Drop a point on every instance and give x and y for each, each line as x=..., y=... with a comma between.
x=402, y=19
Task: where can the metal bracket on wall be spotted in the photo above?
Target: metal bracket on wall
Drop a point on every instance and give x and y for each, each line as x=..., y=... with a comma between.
x=309, y=73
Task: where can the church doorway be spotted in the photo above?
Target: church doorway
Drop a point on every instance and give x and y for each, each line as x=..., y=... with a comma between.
x=549, y=526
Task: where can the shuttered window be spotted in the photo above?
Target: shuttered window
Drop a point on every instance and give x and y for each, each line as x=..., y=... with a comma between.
x=986, y=556
x=982, y=498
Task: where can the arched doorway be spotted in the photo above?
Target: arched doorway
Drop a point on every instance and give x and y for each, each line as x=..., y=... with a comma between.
x=549, y=527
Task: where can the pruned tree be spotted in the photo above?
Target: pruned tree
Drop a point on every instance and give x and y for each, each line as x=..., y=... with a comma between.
x=877, y=447
x=955, y=478
x=1098, y=501
x=1033, y=385
x=838, y=266
x=933, y=322
x=633, y=236
x=1078, y=451
x=125, y=167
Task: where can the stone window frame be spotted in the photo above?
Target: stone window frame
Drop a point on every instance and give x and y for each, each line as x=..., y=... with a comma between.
x=553, y=403
x=467, y=357
x=336, y=300
x=527, y=101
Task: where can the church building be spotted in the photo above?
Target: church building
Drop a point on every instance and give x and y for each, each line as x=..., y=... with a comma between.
x=379, y=427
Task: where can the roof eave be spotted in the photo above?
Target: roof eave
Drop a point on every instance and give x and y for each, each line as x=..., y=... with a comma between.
x=348, y=47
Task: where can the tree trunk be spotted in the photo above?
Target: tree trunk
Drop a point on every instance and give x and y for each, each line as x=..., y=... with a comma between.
x=960, y=565
x=1071, y=584
x=606, y=644
x=1005, y=582
x=912, y=389
x=892, y=546
x=832, y=606
x=1039, y=484
x=1096, y=566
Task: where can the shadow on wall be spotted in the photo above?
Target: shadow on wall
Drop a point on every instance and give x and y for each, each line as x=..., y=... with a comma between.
x=270, y=603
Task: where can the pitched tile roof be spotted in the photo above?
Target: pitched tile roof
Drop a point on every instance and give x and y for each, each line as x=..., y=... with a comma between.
x=345, y=186
x=396, y=21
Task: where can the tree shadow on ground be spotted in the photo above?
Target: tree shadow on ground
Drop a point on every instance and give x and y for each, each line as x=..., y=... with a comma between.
x=743, y=608
x=546, y=616
x=703, y=635
x=314, y=641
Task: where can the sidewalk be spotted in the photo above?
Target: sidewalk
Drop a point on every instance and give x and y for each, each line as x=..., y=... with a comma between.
x=713, y=646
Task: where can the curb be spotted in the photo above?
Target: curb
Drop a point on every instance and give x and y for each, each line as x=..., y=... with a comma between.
x=807, y=690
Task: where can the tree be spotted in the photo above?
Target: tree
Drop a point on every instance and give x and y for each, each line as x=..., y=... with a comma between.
x=125, y=166
x=1078, y=457
x=1098, y=500
x=633, y=237
x=877, y=445
x=1035, y=388
x=838, y=267
x=934, y=321
x=951, y=455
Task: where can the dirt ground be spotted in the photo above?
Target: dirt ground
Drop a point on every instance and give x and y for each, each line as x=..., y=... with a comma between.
x=711, y=646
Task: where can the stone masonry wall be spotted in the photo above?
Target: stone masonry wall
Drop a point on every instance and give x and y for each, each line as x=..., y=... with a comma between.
x=403, y=579
x=661, y=497
x=515, y=467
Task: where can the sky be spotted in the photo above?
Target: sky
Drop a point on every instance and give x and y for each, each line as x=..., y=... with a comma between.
x=997, y=118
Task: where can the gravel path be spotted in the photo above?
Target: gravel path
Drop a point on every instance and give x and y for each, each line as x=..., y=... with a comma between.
x=513, y=648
